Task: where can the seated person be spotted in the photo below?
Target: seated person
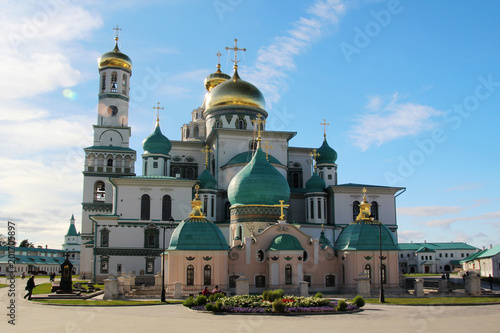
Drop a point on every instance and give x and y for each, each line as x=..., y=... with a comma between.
x=205, y=292
x=216, y=290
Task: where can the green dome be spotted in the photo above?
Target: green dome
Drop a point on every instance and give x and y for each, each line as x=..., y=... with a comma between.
x=258, y=183
x=364, y=235
x=207, y=181
x=315, y=184
x=323, y=241
x=246, y=157
x=326, y=154
x=156, y=143
x=198, y=234
x=285, y=243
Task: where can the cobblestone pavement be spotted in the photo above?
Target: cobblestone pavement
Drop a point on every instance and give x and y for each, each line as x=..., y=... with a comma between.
x=32, y=317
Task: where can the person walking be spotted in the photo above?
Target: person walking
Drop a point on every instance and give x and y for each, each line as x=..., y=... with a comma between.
x=30, y=285
x=490, y=280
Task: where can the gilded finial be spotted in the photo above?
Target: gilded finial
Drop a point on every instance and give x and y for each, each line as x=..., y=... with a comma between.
x=324, y=123
x=314, y=156
x=364, y=209
x=157, y=109
x=235, y=49
x=196, y=205
x=267, y=146
x=206, y=150
x=322, y=229
x=117, y=32
x=258, y=121
x=364, y=194
x=218, y=54
x=196, y=188
x=282, y=206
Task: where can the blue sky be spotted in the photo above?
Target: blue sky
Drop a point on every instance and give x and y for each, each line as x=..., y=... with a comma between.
x=411, y=90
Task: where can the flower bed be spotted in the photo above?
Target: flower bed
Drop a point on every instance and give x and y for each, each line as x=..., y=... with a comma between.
x=287, y=304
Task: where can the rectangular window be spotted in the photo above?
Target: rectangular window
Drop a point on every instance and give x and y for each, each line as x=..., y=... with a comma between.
x=312, y=209
x=451, y=255
x=426, y=257
x=260, y=281
x=402, y=255
x=319, y=208
x=104, y=265
x=446, y=255
x=462, y=255
x=150, y=265
x=440, y=255
x=155, y=165
x=430, y=257
x=422, y=257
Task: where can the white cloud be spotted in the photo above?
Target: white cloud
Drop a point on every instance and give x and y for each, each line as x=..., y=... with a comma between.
x=35, y=41
x=446, y=223
x=464, y=187
x=428, y=210
x=273, y=61
x=390, y=119
x=407, y=236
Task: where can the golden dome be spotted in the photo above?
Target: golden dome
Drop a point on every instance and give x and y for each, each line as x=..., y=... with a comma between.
x=235, y=92
x=215, y=79
x=115, y=58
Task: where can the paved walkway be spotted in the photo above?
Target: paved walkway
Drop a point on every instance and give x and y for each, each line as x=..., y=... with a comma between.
x=32, y=317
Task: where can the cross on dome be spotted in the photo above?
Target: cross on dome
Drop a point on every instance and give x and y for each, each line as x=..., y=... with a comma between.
x=206, y=150
x=117, y=32
x=258, y=121
x=324, y=123
x=314, y=154
x=282, y=206
x=158, y=108
x=235, y=49
x=267, y=147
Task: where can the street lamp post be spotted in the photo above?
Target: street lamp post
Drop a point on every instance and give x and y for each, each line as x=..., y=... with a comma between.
x=170, y=226
x=381, y=297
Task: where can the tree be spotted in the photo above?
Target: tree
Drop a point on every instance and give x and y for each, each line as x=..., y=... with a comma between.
x=5, y=241
x=26, y=243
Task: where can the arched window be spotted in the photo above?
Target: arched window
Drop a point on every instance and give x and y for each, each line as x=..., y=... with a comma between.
x=190, y=173
x=240, y=124
x=176, y=171
x=374, y=209
x=110, y=162
x=99, y=192
x=103, y=82
x=227, y=210
x=145, y=207
x=166, y=208
x=104, y=237
x=187, y=133
x=383, y=272
x=319, y=208
x=355, y=210
x=330, y=280
x=253, y=145
x=311, y=210
x=295, y=180
x=218, y=123
x=190, y=275
x=124, y=84
x=260, y=281
x=205, y=205
x=321, y=174
x=368, y=272
x=240, y=233
x=207, y=275
x=288, y=274
x=114, y=78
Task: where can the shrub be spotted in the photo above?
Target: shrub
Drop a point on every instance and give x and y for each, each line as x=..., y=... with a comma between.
x=218, y=305
x=318, y=295
x=342, y=306
x=215, y=297
x=275, y=294
x=210, y=307
x=278, y=306
x=358, y=301
x=265, y=295
x=200, y=300
x=189, y=302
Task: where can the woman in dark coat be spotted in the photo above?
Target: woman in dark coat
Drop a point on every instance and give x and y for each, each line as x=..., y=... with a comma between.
x=30, y=285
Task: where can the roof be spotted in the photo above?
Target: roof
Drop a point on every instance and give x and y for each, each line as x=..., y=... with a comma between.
x=31, y=249
x=424, y=249
x=109, y=148
x=490, y=253
x=427, y=263
x=364, y=235
x=364, y=185
x=436, y=246
x=198, y=234
x=315, y=184
x=33, y=260
x=156, y=142
x=455, y=262
x=72, y=230
x=207, y=181
x=285, y=242
x=246, y=157
x=327, y=155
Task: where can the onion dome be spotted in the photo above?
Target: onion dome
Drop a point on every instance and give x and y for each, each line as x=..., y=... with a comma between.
x=197, y=233
x=323, y=241
x=215, y=79
x=115, y=58
x=237, y=93
x=364, y=235
x=258, y=183
x=327, y=155
x=207, y=181
x=156, y=143
x=315, y=184
x=285, y=242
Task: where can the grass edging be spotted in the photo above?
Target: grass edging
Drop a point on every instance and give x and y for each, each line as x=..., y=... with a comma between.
x=102, y=303
x=437, y=301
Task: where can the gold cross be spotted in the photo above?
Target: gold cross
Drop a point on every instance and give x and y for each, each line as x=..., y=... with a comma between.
x=268, y=146
x=364, y=193
x=314, y=155
x=324, y=123
x=158, y=108
x=235, y=49
x=196, y=188
x=207, y=152
x=258, y=121
x=282, y=206
x=218, y=54
x=117, y=32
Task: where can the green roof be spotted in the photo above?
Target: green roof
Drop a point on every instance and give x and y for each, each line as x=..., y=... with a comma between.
x=490, y=252
x=285, y=243
x=424, y=249
x=72, y=229
x=326, y=154
x=365, y=236
x=198, y=234
x=258, y=183
x=455, y=262
x=246, y=157
x=157, y=143
x=436, y=246
x=207, y=181
x=315, y=184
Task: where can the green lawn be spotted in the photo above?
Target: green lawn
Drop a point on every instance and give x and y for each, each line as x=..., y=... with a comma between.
x=102, y=302
x=44, y=288
x=436, y=300
x=3, y=285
